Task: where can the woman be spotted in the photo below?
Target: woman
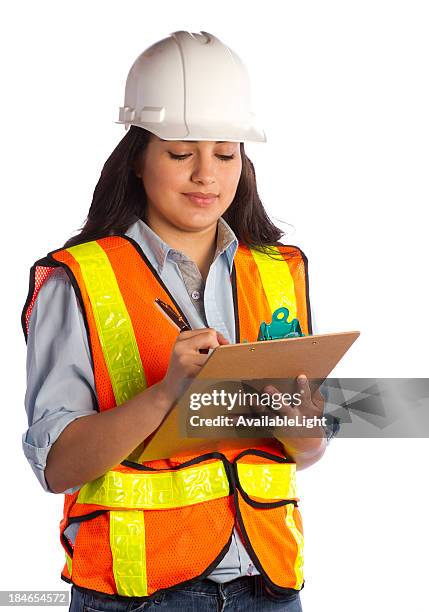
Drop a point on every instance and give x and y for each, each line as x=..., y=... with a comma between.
x=175, y=216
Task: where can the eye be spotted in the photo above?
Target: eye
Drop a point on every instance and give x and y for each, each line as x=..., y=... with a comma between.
x=179, y=157
x=226, y=157
x=186, y=155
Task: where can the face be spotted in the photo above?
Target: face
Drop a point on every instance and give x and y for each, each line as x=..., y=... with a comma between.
x=171, y=169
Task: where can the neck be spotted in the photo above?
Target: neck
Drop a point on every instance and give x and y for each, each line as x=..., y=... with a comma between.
x=199, y=246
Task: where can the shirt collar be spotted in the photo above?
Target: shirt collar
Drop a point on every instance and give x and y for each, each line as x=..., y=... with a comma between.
x=227, y=242
x=157, y=250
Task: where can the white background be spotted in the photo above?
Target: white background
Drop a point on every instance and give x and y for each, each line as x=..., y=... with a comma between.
x=342, y=91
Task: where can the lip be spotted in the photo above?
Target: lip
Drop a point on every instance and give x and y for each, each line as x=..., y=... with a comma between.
x=201, y=198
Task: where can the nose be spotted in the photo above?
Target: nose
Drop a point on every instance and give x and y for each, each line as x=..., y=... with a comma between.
x=204, y=168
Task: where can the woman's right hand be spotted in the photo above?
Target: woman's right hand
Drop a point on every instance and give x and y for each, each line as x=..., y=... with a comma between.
x=186, y=360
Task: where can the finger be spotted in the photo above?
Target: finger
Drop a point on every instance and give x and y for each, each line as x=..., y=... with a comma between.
x=256, y=407
x=205, y=339
x=303, y=388
x=285, y=408
x=270, y=389
x=190, y=333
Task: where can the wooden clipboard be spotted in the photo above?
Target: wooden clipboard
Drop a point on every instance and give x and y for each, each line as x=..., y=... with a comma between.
x=315, y=356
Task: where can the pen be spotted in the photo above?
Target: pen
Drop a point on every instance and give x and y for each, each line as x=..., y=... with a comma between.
x=171, y=315
x=174, y=318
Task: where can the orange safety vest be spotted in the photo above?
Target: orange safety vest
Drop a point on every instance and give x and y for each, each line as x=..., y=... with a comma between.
x=153, y=526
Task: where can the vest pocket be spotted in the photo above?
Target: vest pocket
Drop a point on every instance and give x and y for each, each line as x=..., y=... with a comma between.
x=274, y=535
x=269, y=518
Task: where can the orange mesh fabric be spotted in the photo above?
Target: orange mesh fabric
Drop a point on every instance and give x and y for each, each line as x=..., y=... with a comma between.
x=253, y=307
x=92, y=558
x=272, y=541
x=182, y=543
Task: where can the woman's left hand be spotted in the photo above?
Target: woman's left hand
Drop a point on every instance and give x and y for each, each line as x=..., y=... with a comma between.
x=304, y=440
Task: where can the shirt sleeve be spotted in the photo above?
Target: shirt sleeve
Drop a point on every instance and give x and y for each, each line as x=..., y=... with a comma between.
x=60, y=378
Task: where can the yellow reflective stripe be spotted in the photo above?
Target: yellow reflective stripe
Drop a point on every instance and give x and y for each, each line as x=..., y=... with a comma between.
x=69, y=563
x=114, y=326
x=299, y=539
x=184, y=487
x=128, y=546
x=276, y=279
x=273, y=481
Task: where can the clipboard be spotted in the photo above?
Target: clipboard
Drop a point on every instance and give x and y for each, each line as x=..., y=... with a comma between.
x=315, y=356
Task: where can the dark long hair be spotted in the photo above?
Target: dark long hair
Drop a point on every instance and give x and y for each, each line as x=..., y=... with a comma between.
x=119, y=198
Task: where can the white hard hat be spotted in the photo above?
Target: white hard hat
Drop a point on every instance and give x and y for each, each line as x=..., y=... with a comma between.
x=190, y=86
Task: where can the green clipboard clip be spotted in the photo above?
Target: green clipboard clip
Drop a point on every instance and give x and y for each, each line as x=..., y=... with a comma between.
x=279, y=327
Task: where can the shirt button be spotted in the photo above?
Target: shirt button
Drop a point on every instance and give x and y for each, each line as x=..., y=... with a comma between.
x=195, y=295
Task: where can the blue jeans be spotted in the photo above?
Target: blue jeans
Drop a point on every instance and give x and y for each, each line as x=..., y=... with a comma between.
x=245, y=594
